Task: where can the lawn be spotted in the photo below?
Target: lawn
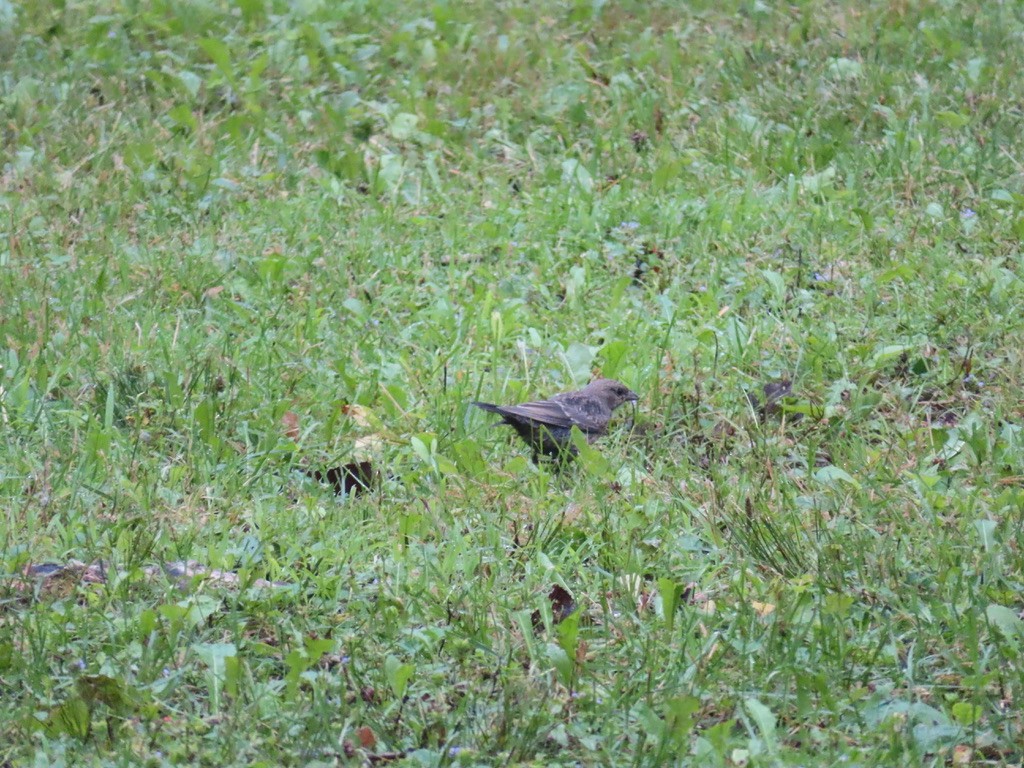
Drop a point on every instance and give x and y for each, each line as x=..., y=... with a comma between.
x=257, y=258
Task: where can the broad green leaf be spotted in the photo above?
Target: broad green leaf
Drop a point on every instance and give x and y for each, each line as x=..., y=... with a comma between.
x=579, y=358
x=182, y=115
x=102, y=689
x=777, y=284
x=215, y=657
x=577, y=175
x=987, y=533
x=831, y=474
x=613, y=354
x=219, y=54
x=762, y=717
x=679, y=712
x=422, y=450
x=403, y=126
x=846, y=69
x=668, y=591
x=816, y=183
x=952, y=119
x=199, y=609
x=886, y=354
x=568, y=633
x=588, y=456
x=1007, y=622
x=190, y=81
x=966, y=713
x=563, y=664
x=398, y=675
x=72, y=718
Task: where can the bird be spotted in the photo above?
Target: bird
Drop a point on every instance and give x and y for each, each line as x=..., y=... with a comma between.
x=546, y=425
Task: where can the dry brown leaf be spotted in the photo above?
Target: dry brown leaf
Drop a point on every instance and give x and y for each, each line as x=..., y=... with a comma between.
x=643, y=601
x=366, y=738
x=367, y=445
x=572, y=513
x=581, y=651
x=360, y=414
x=290, y=422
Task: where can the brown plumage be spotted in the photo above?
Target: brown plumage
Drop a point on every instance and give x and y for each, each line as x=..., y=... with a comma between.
x=546, y=425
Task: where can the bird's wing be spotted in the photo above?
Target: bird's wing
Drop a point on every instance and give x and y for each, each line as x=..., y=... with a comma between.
x=547, y=412
x=565, y=410
x=588, y=412
x=490, y=407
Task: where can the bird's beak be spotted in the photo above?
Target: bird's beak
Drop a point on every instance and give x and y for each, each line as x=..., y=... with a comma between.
x=632, y=398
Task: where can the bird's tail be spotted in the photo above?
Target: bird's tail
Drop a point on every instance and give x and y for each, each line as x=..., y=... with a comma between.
x=490, y=407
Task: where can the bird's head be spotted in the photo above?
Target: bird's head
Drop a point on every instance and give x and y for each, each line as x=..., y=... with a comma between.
x=612, y=393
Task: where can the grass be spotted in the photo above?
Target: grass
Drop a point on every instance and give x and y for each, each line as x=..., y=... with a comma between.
x=245, y=242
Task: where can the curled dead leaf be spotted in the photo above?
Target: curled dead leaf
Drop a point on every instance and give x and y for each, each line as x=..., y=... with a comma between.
x=562, y=603
x=643, y=601
x=562, y=606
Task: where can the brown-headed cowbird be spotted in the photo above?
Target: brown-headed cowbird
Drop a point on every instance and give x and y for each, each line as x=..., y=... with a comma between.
x=545, y=425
